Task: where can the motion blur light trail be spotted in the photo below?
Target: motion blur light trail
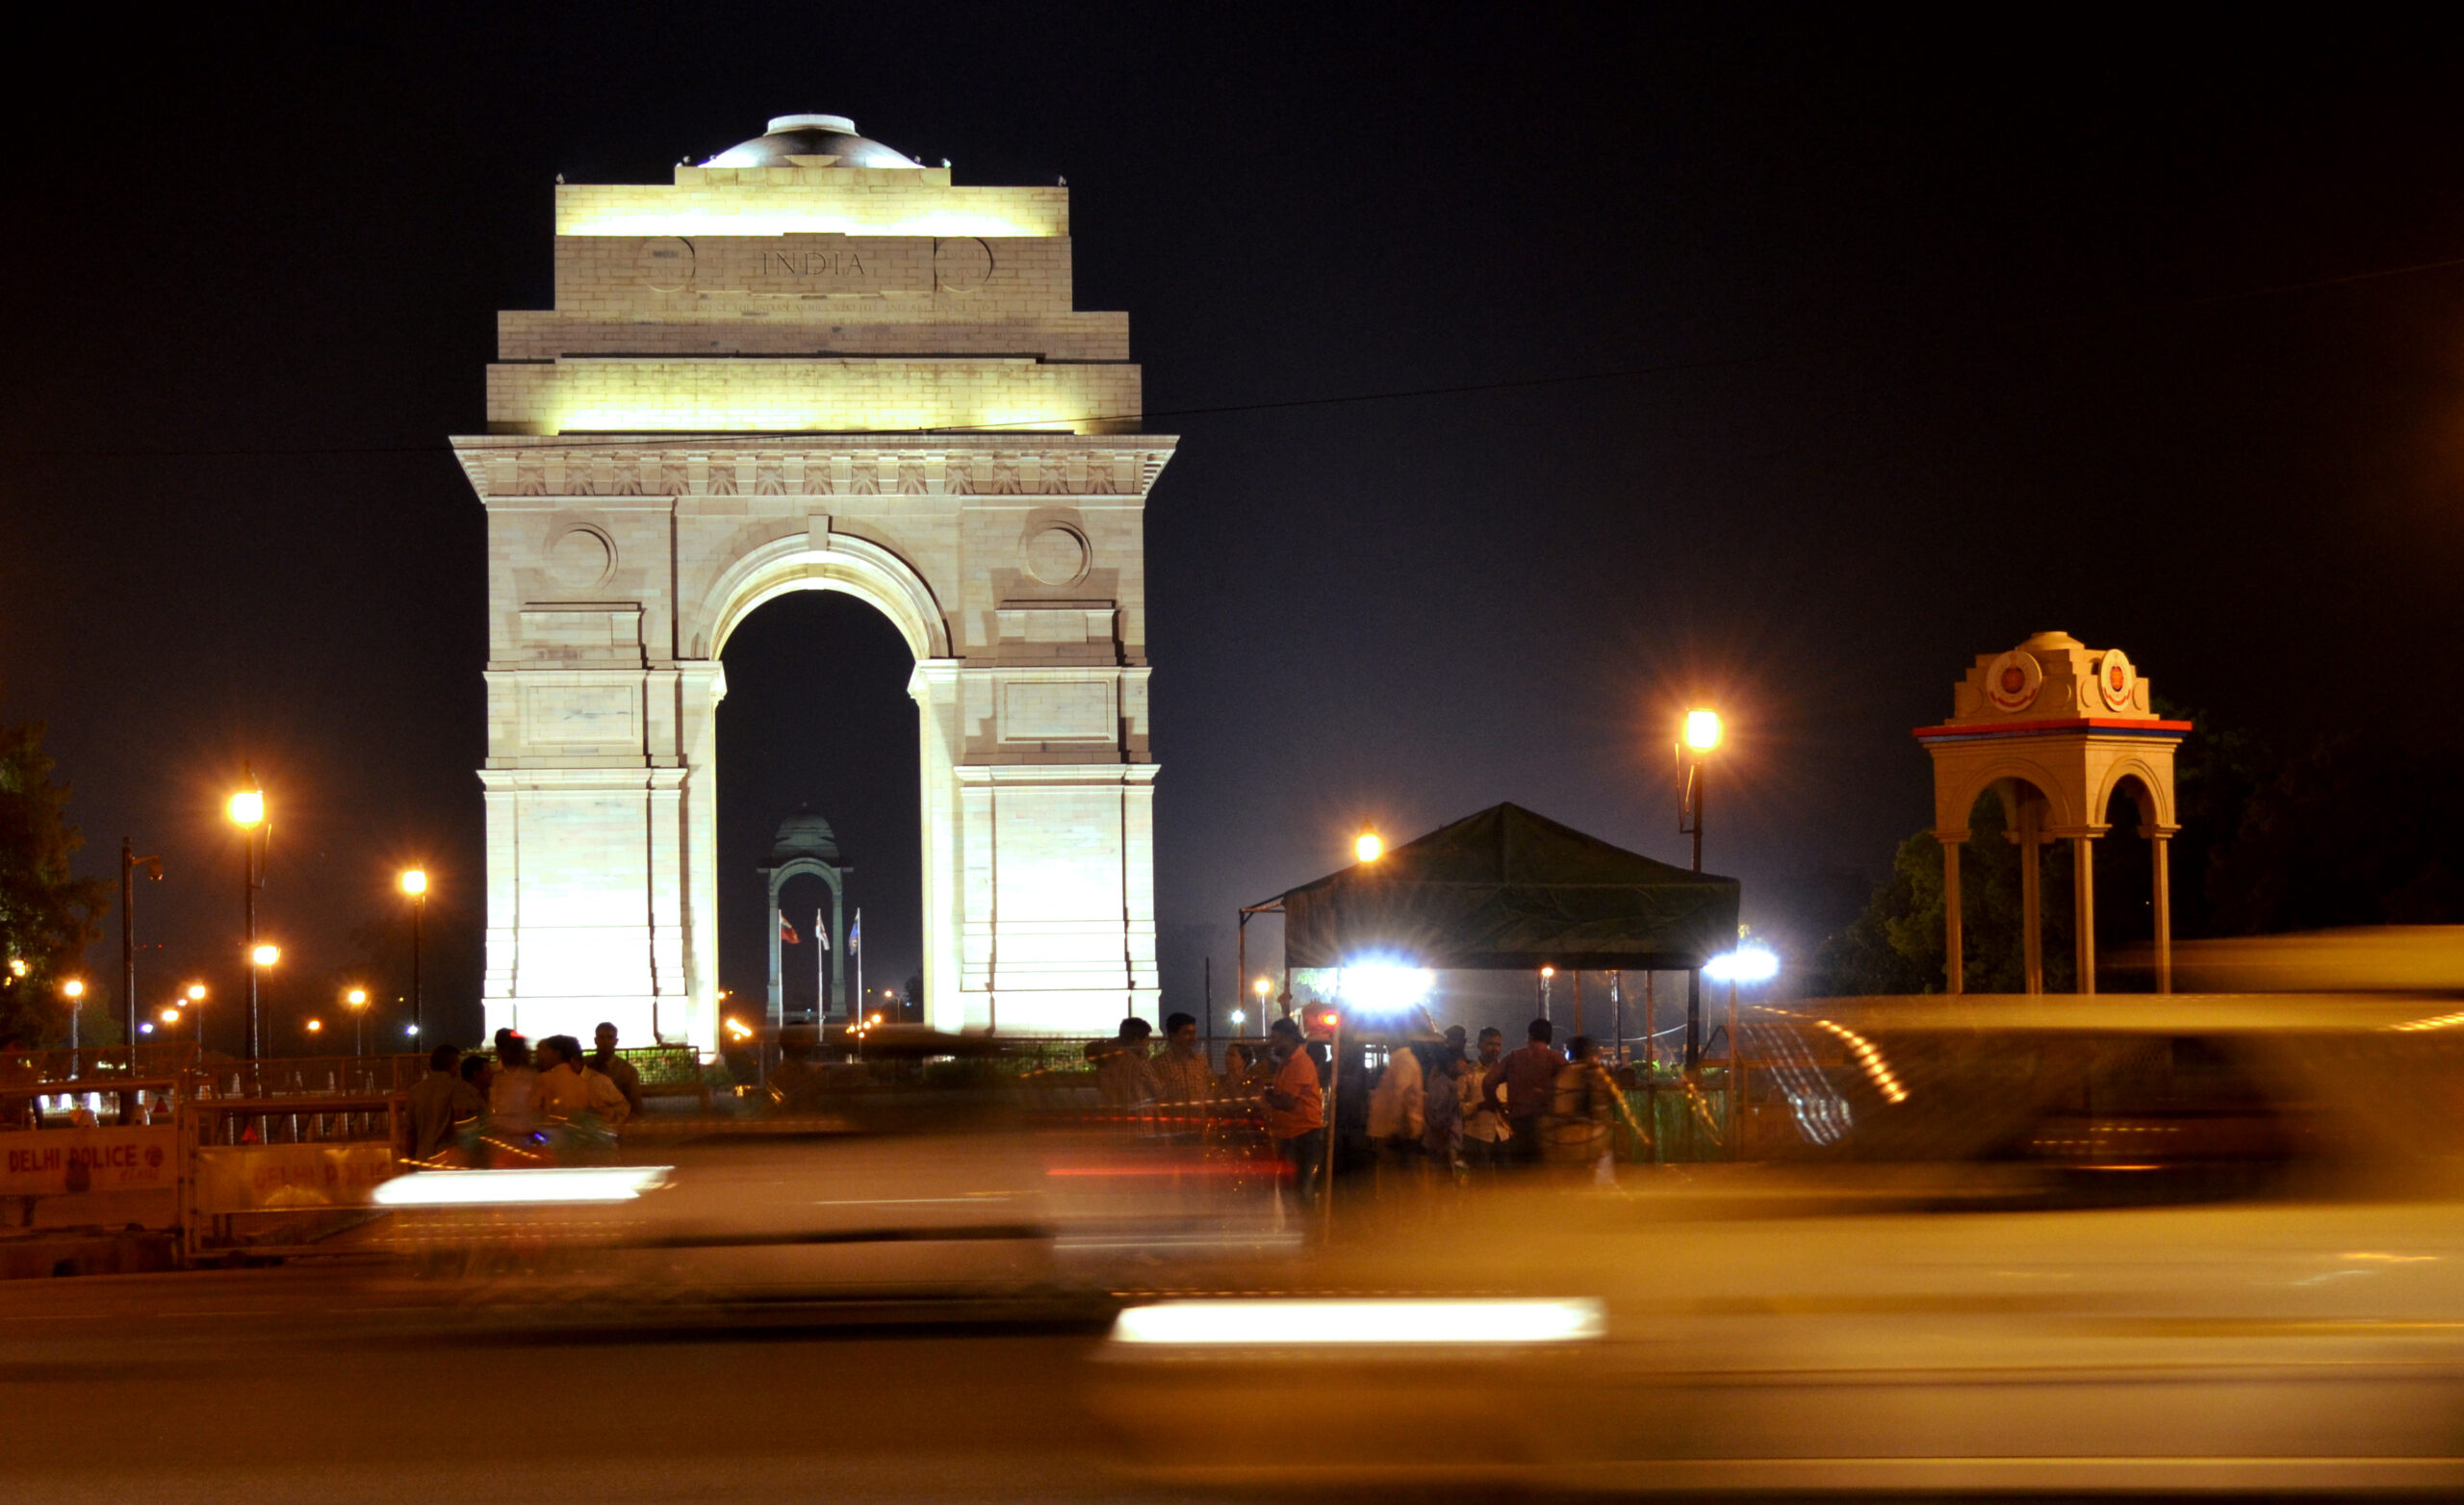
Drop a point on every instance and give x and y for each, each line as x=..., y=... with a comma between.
x=575, y=1184
x=1251, y=1323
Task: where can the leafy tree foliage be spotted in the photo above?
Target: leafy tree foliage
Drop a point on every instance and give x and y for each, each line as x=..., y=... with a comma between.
x=47, y=916
x=1896, y=946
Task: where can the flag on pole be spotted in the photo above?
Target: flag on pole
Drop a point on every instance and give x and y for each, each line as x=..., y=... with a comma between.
x=820, y=933
x=855, y=933
x=787, y=932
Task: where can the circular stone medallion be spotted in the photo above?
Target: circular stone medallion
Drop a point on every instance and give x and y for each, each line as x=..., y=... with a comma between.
x=2012, y=680
x=1057, y=556
x=2117, y=678
x=581, y=560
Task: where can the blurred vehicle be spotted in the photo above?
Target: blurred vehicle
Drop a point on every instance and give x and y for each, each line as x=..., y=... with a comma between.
x=2059, y=1245
x=938, y=1168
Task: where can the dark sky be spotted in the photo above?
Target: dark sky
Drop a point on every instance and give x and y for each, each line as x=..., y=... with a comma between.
x=1952, y=335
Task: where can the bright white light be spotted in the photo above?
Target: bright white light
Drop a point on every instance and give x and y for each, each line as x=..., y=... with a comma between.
x=1284, y=1324
x=1240, y=1017
x=1382, y=987
x=145, y=1028
x=558, y=1184
x=1745, y=964
x=410, y=1029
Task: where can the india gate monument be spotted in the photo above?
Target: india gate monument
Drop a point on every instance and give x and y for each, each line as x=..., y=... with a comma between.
x=811, y=363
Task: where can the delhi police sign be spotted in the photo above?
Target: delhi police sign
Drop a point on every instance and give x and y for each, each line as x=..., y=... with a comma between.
x=51, y=1162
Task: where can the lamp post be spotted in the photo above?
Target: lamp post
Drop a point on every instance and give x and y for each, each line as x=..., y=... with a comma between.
x=73, y=990
x=1702, y=737
x=415, y=884
x=247, y=811
x=261, y=959
x=196, y=1035
x=357, y=1000
x=1548, y=978
x=129, y=863
x=1262, y=987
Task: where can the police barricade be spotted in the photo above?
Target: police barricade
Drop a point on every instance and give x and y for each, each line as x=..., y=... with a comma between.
x=242, y=1195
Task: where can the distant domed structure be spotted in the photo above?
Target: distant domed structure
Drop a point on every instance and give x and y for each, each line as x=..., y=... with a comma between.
x=810, y=141
x=804, y=834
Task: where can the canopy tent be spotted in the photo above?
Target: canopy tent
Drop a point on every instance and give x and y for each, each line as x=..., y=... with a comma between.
x=1509, y=889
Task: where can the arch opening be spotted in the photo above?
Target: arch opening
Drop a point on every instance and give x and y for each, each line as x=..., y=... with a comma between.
x=817, y=714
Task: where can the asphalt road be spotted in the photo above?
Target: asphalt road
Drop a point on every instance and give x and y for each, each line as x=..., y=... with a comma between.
x=302, y=1384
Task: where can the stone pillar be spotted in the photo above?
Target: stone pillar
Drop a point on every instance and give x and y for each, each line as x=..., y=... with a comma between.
x=2083, y=904
x=775, y=1007
x=1955, y=965
x=2031, y=899
x=2158, y=845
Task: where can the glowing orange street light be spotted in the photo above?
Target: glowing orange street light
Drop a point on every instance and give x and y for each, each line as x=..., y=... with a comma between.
x=1704, y=732
x=266, y=956
x=357, y=1001
x=247, y=811
x=1369, y=846
x=315, y=1025
x=415, y=884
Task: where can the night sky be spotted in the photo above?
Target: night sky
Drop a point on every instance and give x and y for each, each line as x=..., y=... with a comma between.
x=1933, y=338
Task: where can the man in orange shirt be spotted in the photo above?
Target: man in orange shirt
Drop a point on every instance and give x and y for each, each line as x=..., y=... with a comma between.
x=1297, y=1110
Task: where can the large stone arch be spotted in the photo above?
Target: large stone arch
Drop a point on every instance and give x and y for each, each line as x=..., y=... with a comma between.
x=760, y=379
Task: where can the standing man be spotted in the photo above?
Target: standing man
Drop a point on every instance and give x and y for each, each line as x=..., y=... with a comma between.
x=1485, y=1135
x=1297, y=1110
x=441, y=1104
x=1529, y=1078
x=1125, y=1075
x=1183, y=1072
x=616, y=1068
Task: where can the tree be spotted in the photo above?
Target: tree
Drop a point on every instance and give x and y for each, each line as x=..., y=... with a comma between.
x=47, y=916
x=1897, y=945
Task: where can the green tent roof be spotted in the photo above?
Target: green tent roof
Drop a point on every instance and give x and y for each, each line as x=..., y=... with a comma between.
x=1509, y=889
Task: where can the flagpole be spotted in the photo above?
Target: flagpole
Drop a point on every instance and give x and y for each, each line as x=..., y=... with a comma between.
x=820, y=979
x=856, y=944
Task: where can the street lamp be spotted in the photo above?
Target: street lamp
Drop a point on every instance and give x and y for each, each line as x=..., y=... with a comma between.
x=1701, y=738
x=1369, y=846
x=1751, y=962
x=74, y=990
x=1548, y=977
x=357, y=1000
x=415, y=884
x=248, y=810
x=260, y=961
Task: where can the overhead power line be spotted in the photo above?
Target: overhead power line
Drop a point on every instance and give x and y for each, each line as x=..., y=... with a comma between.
x=1815, y=351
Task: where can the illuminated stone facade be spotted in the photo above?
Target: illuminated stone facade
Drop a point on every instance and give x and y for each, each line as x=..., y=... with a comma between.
x=809, y=375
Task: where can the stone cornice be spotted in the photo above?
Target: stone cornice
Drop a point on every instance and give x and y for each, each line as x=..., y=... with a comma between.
x=812, y=465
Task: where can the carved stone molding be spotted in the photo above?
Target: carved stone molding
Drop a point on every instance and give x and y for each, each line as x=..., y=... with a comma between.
x=699, y=467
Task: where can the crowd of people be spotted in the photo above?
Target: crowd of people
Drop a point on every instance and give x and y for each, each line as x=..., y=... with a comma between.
x=472, y=1108
x=1436, y=1109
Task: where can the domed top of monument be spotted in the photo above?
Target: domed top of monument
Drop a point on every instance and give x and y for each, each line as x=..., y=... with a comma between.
x=810, y=141
x=804, y=834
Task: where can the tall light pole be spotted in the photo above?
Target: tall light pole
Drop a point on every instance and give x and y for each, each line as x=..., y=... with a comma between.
x=129, y=863
x=415, y=884
x=73, y=990
x=261, y=959
x=357, y=998
x=1702, y=737
x=197, y=1032
x=249, y=813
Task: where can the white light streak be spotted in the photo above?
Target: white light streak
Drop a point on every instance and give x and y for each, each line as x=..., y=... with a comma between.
x=1285, y=1324
x=556, y=1184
